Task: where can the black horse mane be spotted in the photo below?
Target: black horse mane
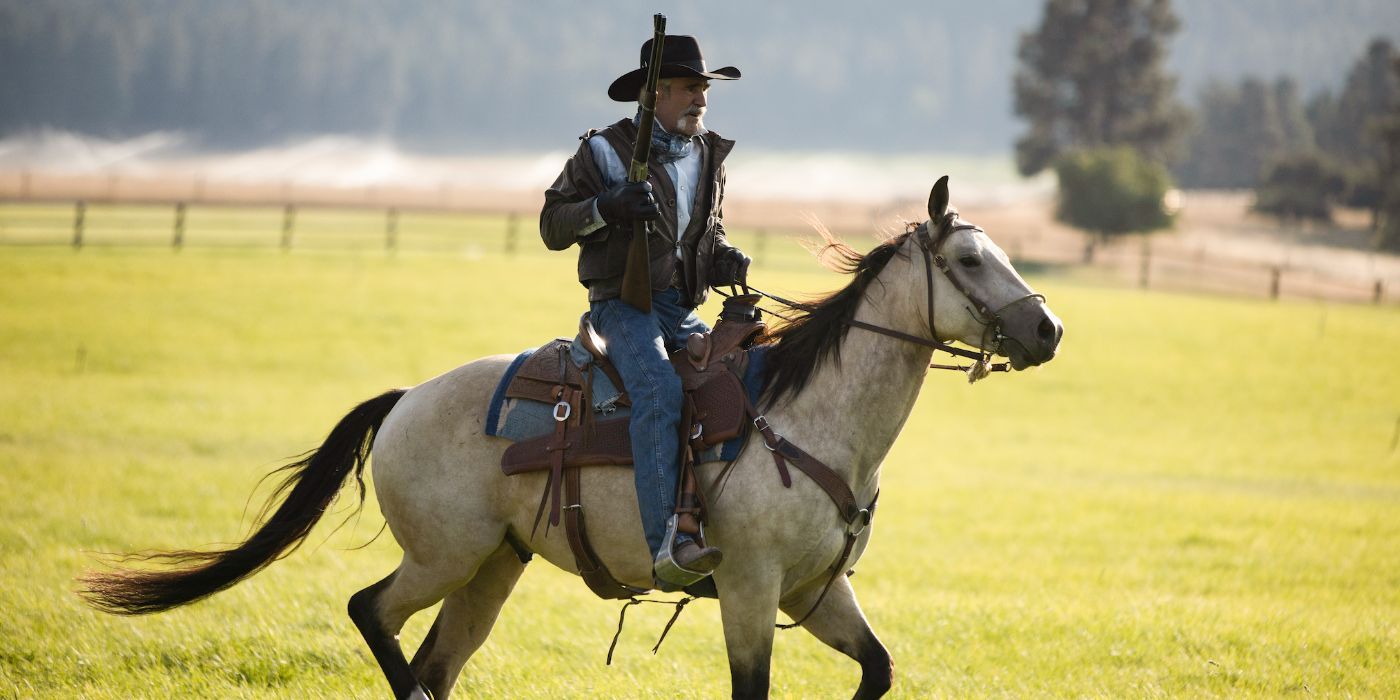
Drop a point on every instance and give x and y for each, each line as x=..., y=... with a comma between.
x=799, y=344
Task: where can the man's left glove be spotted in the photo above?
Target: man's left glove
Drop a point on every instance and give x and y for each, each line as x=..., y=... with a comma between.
x=730, y=267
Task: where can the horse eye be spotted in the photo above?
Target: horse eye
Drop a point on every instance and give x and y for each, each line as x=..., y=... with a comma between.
x=970, y=261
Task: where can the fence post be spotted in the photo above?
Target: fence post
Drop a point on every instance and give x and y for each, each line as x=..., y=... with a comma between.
x=79, y=215
x=178, y=240
x=1275, y=281
x=1146, y=269
x=391, y=230
x=760, y=246
x=289, y=215
x=512, y=231
x=1378, y=292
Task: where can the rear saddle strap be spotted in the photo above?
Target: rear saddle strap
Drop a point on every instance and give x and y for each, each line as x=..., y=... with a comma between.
x=565, y=410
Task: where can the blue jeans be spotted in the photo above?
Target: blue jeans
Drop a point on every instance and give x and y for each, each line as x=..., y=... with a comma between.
x=638, y=344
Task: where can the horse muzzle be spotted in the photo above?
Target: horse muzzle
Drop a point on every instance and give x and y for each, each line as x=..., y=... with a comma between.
x=1030, y=334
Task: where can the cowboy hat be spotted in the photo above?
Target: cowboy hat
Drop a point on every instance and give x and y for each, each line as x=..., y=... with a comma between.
x=680, y=58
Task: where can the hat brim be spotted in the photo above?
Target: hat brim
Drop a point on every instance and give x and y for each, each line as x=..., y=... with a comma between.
x=625, y=88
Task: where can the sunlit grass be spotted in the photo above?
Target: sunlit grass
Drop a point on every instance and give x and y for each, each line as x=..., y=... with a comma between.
x=1198, y=498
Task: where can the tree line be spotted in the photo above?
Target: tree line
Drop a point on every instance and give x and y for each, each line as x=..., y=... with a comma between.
x=1102, y=111
x=481, y=75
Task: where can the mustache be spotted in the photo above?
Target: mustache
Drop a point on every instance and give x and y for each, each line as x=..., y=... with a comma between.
x=695, y=112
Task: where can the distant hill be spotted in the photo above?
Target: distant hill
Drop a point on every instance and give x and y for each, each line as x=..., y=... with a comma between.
x=483, y=75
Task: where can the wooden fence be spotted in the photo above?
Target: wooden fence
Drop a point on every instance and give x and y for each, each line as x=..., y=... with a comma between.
x=179, y=225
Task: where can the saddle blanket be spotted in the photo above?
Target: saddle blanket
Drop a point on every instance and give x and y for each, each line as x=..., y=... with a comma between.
x=521, y=419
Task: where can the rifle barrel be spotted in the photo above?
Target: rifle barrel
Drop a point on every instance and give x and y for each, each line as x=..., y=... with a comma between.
x=636, y=277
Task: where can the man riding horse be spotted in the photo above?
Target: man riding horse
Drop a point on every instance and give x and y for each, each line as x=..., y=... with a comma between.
x=592, y=204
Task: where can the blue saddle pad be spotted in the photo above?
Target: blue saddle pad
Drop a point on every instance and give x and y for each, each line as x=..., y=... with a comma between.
x=521, y=419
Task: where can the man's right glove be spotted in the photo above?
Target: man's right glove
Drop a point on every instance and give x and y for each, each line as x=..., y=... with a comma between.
x=631, y=201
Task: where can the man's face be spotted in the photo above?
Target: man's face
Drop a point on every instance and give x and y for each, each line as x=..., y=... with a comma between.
x=680, y=105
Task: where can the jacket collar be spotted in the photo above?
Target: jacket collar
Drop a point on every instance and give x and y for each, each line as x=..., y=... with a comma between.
x=719, y=145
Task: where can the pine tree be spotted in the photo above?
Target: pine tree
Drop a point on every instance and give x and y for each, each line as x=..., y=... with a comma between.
x=1239, y=130
x=1388, y=130
x=1091, y=75
x=1344, y=124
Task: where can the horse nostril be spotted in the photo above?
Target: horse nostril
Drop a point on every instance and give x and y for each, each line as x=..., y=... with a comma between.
x=1046, y=330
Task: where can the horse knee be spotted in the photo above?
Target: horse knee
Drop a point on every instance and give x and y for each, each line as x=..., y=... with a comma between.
x=876, y=669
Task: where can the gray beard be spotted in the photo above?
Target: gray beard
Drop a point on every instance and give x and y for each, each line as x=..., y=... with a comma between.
x=681, y=128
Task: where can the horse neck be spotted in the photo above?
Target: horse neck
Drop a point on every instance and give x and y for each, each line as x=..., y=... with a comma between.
x=850, y=414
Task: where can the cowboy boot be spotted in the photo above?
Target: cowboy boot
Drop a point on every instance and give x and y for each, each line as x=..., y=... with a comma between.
x=680, y=564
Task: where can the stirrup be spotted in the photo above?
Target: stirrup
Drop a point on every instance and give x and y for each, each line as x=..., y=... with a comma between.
x=669, y=575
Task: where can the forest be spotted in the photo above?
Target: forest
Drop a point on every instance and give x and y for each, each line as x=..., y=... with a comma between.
x=487, y=76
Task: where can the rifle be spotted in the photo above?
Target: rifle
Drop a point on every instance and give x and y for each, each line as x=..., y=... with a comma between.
x=636, y=277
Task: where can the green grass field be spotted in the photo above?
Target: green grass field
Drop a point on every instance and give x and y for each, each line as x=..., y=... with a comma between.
x=1199, y=498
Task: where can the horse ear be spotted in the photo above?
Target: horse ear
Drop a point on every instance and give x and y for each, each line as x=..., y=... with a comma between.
x=938, y=201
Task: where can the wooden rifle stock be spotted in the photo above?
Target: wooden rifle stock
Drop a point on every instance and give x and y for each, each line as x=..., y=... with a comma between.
x=636, y=277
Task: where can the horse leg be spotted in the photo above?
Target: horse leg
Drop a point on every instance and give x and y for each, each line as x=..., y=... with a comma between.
x=381, y=610
x=748, y=606
x=839, y=623
x=465, y=620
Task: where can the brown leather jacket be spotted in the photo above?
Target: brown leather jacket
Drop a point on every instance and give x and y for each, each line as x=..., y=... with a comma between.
x=568, y=208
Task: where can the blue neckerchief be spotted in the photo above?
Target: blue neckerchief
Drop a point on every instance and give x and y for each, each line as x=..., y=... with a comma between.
x=666, y=147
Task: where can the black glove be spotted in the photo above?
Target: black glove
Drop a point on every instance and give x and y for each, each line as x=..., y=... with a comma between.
x=628, y=202
x=730, y=267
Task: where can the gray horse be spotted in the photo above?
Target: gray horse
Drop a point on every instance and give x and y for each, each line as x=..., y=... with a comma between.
x=456, y=516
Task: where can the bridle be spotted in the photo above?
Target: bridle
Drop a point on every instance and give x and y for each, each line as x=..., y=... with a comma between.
x=991, y=321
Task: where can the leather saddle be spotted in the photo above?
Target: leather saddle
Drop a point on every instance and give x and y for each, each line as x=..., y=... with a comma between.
x=711, y=367
x=715, y=409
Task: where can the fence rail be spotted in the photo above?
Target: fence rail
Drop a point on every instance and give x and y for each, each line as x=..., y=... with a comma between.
x=179, y=225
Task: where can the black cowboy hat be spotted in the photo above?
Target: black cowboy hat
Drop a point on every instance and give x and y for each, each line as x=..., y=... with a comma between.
x=680, y=58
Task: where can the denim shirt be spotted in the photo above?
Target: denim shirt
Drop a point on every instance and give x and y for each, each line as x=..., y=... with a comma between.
x=685, y=172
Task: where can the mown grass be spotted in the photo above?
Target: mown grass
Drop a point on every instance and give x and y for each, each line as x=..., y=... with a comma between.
x=1198, y=498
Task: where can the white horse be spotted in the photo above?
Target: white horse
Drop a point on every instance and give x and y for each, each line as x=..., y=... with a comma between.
x=460, y=521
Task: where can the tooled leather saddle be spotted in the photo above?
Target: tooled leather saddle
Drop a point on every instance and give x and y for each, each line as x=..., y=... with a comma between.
x=716, y=408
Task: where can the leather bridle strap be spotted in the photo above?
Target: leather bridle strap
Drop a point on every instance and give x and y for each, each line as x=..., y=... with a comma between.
x=993, y=318
x=930, y=261
x=936, y=345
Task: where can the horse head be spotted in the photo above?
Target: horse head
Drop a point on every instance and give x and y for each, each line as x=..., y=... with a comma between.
x=976, y=296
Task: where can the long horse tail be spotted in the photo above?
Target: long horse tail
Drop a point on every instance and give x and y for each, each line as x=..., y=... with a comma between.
x=310, y=485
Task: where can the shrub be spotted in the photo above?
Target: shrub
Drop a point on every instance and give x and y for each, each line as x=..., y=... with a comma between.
x=1299, y=186
x=1112, y=191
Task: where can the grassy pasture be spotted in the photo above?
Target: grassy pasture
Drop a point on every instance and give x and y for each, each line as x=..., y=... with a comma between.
x=1200, y=497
